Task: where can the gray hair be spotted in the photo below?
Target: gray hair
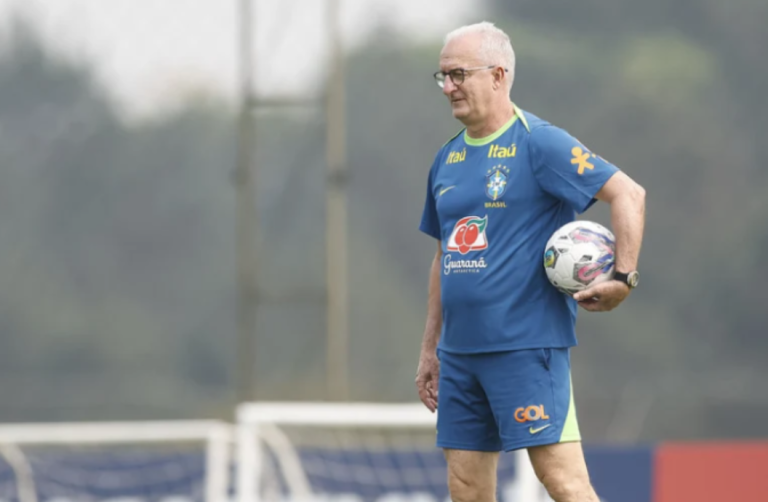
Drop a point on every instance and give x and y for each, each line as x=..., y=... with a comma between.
x=495, y=48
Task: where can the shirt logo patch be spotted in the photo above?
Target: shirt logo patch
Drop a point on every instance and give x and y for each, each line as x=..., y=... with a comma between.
x=469, y=235
x=443, y=190
x=456, y=157
x=500, y=152
x=496, y=181
x=581, y=157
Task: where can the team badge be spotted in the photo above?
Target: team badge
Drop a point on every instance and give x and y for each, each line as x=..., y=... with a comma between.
x=496, y=181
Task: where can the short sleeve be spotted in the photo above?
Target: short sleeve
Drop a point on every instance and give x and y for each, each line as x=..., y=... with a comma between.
x=430, y=223
x=566, y=169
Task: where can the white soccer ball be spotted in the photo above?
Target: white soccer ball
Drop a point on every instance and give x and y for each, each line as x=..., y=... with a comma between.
x=578, y=255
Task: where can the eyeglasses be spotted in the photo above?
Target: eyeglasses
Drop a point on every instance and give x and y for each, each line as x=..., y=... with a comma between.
x=457, y=75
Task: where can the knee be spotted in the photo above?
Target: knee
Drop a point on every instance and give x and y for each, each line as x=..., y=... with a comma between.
x=565, y=487
x=467, y=490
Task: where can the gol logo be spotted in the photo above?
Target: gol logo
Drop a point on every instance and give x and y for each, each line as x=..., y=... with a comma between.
x=531, y=414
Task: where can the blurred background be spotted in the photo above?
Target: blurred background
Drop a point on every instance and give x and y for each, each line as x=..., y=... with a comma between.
x=165, y=171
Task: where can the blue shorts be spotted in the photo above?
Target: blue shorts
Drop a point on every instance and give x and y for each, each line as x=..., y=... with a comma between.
x=505, y=400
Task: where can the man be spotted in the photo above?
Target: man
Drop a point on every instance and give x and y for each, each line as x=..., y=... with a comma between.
x=498, y=335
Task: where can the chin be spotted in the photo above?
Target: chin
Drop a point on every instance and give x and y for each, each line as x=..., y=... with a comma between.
x=460, y=112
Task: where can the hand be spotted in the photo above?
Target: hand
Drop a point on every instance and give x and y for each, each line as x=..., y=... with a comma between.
x=602, y=297
x=427, y=377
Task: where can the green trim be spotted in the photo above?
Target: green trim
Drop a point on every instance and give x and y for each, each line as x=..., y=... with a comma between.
x=519, y=112
x=493, y=137
x=571, y=426
x=489, y=139
x=453, y=137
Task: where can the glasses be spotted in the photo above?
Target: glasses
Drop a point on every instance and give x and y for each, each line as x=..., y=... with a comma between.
x=458, y=75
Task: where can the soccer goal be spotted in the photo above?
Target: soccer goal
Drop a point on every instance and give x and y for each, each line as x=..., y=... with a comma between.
x=353, y=452
x=166, y=461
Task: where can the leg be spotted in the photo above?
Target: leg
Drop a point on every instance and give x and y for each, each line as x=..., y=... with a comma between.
x=467, y=430
x=530, y=391
x=562, y=470
x=472, y=475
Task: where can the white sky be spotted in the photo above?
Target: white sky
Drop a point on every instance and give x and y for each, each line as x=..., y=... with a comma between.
x=147, y=51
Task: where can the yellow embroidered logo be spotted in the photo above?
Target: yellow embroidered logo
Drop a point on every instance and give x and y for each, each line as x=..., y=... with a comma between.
x=500, y=152
x=536, y=430
x=581, y=157
x=445, y=190
x=456, y=157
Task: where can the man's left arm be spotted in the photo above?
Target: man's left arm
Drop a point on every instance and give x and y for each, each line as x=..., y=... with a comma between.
x=627, y=200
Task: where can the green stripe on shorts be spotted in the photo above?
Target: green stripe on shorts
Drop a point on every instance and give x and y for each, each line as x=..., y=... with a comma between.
x=571, y=426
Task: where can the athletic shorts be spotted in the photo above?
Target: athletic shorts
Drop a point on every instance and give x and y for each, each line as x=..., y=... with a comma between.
x=505, y=400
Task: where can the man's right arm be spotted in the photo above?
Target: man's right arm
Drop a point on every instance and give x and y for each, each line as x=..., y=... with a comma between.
x=434, y=306
x=428, y=373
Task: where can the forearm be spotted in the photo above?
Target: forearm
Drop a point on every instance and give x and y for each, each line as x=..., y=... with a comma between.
x=434, y=309
x=628, y=222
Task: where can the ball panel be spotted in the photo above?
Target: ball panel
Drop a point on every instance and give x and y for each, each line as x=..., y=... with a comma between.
x=578, y=255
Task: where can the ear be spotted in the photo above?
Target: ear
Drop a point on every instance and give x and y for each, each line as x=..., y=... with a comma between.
x=498, y=77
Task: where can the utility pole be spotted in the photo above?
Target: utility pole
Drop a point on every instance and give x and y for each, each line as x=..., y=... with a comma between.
x=246, y=217
x=337, y=347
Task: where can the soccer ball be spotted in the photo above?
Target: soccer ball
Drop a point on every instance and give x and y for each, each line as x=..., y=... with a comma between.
x=578, y=255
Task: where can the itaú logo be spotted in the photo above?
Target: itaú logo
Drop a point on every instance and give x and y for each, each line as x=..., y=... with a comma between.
x=531, y=414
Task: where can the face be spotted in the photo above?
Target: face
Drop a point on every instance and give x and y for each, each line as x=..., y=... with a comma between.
x=473, y=99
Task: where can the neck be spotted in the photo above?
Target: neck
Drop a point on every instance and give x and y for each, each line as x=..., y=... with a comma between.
x=492, y=123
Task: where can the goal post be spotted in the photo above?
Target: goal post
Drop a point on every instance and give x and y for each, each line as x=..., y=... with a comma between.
x=353, y=452
x=182, y=461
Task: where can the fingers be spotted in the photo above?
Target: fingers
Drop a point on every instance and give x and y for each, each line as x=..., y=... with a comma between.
x=599, y=305
x=590, y=305
x=603, y=297
x=427, y=377
x=587, y=295
x=429, y=400
x=427, y=388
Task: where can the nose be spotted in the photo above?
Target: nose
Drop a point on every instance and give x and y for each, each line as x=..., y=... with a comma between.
x=449, y=87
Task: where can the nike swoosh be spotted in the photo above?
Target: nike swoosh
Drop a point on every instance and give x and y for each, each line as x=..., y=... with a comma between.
x=536, y=431
x=445, y=190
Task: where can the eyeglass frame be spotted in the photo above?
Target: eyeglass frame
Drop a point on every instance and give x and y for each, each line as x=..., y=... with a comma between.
x=464, y=72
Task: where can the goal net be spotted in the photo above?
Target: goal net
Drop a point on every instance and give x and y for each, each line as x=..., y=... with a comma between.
x=356, y=452
x=175, y=461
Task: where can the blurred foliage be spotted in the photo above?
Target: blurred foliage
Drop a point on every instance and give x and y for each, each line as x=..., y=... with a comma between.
x=117, y=276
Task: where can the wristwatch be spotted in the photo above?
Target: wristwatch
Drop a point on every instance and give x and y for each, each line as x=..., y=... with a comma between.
x=630, y=279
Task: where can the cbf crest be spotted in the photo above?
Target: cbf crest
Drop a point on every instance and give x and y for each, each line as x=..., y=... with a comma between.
x=496, y=181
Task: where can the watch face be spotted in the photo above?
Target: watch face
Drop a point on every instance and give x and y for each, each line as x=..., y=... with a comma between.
x=632, y=279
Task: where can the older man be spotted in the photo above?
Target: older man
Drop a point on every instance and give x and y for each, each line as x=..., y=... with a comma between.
x=498, y=335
